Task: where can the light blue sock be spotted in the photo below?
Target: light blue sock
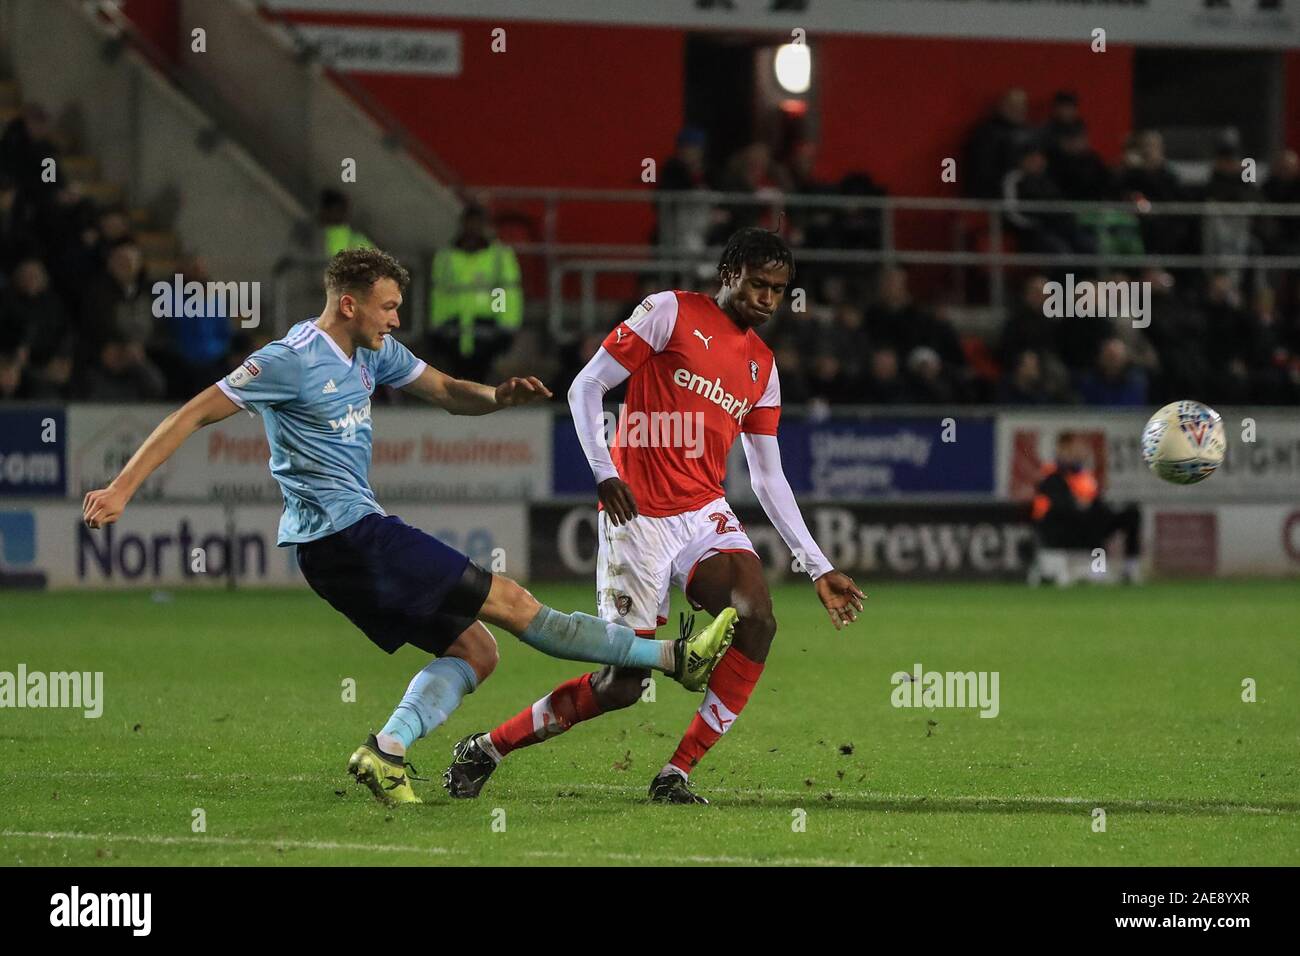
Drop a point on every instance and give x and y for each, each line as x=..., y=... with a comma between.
x=581, y=637
x=430, y=698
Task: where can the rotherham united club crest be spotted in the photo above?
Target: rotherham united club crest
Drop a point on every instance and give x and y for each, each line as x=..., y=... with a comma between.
x=623, y=603
x=753, y=370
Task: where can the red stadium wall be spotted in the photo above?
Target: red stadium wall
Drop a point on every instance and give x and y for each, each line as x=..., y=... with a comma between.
x=583, y=105
x=159, y=21
x=897, y=106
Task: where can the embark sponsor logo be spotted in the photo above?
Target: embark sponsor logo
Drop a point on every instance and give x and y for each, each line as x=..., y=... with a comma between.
x=1102, y=300
x=957, y=689
x=74, y=689
x=737, y=408
x=193, y=300
x=654, y=430
x=75, y=908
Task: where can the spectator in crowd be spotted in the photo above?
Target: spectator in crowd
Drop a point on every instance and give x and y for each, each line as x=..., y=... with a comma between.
x=25, y=146
x=1179, y=333
x=850, y=340
x=1063, y=122
x=1228, y=324
x=827, y=380
x=927, y=380
x=790, y=370
x=684, y=223
x=16, y=238
x=1053, y=233
x=1113, y=380
x=476, y=302
x=996, y=144
x=70, y=235
x=1282, y=233
x=335, y=220
x=1147, y=177
x=196, y=349
x=1070, y=514
x=751, y=170
x=1077, y=169
x=1026, y=384
x=1142, y=352
x=885, y=384
x=857, y=227
x=893, y=319
x=38, y=319
x=1261, y=344
x=1030, y=329
x=112, y=228
x=122, y=372
x=811, y=226
x=1227, y=235
x=117, y=303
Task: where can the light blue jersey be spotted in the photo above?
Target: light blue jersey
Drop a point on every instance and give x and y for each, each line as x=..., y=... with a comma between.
x=315, y=405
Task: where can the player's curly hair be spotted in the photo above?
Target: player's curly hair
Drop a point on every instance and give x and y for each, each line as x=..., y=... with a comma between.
x=755, y=247
x=355, y=271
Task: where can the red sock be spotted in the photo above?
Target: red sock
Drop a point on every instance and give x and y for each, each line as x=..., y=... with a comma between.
x=729, y=688
x=570, y=703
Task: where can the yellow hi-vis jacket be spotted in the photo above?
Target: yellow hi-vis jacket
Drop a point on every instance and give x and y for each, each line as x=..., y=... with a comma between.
x=469, y=286
x=338, y=238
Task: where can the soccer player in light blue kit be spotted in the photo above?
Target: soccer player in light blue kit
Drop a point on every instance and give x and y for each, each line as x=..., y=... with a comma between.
x=312, y=389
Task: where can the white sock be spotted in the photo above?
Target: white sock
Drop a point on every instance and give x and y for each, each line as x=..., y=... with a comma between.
x=485, y=744
x=391, y=745
x=673, y=768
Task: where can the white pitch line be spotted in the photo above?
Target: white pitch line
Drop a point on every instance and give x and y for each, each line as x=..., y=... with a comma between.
x=391, y=848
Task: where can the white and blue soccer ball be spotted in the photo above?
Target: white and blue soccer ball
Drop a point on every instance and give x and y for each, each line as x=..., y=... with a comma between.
x=1184, y=442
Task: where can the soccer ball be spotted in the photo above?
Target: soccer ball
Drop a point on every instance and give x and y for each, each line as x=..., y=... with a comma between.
x=1184, y=442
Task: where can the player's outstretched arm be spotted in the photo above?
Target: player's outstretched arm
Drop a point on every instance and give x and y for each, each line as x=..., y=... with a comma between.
x=470, y=398
x=104, y=506
x=839, y=595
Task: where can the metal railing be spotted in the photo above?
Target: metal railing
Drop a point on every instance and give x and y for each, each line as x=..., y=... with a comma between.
x=554, y=261
x=589, y=260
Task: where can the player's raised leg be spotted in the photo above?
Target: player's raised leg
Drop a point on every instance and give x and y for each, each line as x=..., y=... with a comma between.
x=721, y=580
x=582, y=637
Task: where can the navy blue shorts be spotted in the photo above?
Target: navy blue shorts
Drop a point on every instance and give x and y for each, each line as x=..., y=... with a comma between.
x=396, y=583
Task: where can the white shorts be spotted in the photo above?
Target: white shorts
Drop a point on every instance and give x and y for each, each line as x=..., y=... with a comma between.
x=638, y=561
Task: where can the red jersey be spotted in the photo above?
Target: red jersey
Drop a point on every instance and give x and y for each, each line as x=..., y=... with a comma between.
x=697, y=381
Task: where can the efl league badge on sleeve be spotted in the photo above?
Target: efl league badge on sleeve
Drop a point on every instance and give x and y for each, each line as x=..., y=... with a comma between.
x=365, y=378
x=243, y=375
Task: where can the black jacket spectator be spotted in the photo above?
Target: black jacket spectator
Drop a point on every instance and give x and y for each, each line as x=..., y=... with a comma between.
x=994, y=145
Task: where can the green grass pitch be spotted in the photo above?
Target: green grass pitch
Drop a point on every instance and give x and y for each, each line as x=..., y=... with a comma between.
x=1127, y=699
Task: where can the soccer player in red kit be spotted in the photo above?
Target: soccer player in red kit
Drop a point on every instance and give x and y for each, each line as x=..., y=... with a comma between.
x=698, y=375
